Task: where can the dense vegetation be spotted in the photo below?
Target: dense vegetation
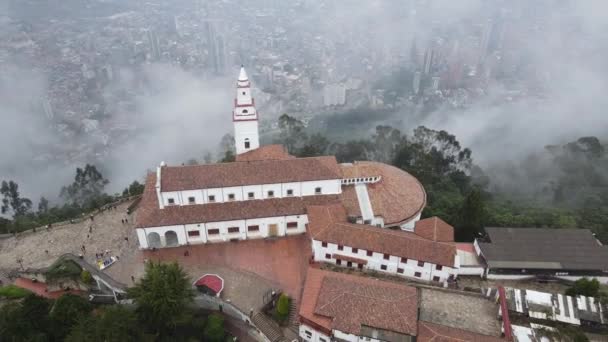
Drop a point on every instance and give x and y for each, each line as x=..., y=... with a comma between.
x=568, y=189
x=84, y=195
x=161, y=312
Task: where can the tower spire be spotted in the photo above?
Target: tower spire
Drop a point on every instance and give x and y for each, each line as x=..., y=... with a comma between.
x=245, y=116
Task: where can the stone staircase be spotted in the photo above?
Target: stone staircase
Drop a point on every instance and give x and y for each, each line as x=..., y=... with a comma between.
x=294, y=323
x=268, y=327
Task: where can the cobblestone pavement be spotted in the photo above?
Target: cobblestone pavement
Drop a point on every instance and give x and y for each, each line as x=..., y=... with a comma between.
x=468, y=312
x=42, y=248
x=249, y=268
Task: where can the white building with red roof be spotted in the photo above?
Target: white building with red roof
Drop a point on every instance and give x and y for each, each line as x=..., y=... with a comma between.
x=362, y=215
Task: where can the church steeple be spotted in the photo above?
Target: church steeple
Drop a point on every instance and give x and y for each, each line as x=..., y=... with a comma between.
x=245, y=116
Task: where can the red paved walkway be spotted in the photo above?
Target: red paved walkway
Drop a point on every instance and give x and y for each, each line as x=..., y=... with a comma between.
x=282, y=261
x=41, y=289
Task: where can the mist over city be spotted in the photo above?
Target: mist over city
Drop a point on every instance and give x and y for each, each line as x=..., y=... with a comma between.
x=125, y=85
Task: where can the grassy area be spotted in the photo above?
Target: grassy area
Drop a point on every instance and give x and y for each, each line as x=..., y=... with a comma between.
x=13, y=292
x=64, y=269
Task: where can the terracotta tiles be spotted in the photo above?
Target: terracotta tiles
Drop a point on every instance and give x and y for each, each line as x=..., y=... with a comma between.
x=267, y=152
x=436, y=229
x=149, y=214
x=176, y=178
x=327, y=223
x=397, y=197
x=430, y=332
x=346, y=302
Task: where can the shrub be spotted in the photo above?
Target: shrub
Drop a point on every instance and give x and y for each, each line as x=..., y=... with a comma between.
x=282, y=309
x=214, y=329
x=62, y=269
x=86, y=277
x=13, y=292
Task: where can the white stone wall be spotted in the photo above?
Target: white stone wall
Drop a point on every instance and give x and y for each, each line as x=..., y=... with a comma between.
x=376, y=261
x=260, y=191
x=224, y=235
x=309, y=334
x=246, y=130
x=411, y=224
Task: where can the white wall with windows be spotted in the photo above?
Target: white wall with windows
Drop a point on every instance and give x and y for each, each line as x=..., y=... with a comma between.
x=307, y=333
x=223, y=231
x=251, y=192
x=324, y=252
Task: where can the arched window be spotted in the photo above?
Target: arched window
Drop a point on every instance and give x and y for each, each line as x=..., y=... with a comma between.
x=243, y=93
x=171, y=238
x=245, y=111
x=247, y=144
x=153, y=240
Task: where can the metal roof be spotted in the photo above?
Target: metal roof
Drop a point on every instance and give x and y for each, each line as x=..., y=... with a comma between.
x=544, y=248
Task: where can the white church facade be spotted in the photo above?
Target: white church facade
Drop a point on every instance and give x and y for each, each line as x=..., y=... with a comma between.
x=362, y=215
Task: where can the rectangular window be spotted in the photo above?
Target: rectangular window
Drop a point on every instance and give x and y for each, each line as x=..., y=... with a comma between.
x=289, y=192
x=253, y=228
x=420, y=263
x=191, y=200
x=370, y=253
x=360, y=266
x=338, y=262
x=355, y=250
x=436, y=279
x=404, y=260
x=383, y=267
x=327, y=256
x=340, y=247
x=233, y=229
x=438, y=267
x=318, y=191
x=171, y=201
x=213, y=231
x=321, y=339
x=251, y=195
x=349, y=264
x=308, y=333
x=231, y=197
x=194, y=233
x=400, y=270
x=324, y=244
x=386, y=256
x=417, y=274
x=270, y=194
x=291, y=225
x=367, y=221
x=211, y=198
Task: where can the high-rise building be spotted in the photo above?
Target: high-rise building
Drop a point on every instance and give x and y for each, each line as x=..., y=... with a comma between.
x=416, y=81
x=216, y=44
x=154, y=44
x=245, y=116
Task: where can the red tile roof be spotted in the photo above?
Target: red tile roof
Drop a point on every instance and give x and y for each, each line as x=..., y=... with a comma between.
x=212, y=281
x=176, y=178
x=346, y=302
x=267, y=152
x=328, y=223
x=434, y=228
x=397, y=197
x=430, y=332
x=41, y=289
x=149, y=214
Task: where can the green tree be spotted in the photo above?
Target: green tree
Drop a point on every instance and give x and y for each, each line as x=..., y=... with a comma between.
x=43, y=206
x=161, y=296
x=112, y=324
x=25, y=321
x=135, y=188
x=282, y=309
x=292, y=134
x=12, y=200
x=65, y=314
x=584, y=287
x=473, y=214
x=214, y=329
x=316, y=145
x=227, y=149
x=88, y=185
x=385, y=142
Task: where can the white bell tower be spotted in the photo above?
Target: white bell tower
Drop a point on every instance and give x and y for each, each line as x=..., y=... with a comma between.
x=244, y=116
